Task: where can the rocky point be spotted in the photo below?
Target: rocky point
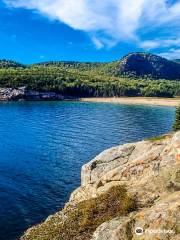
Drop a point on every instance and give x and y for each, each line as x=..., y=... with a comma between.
x=149, y=170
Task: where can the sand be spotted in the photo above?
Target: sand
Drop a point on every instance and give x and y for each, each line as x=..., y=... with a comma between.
x=172, y=102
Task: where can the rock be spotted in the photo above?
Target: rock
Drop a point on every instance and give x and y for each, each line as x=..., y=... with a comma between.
x=139, y=166
x=161, y=221
x=21, y=93
x=150, y=171
x=36, y=95
x=7, y=94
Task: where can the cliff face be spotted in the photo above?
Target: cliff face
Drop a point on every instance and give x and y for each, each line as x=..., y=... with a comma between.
x=150, y=172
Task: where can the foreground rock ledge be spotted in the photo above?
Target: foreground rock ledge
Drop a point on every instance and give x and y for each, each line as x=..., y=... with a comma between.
x=150, y=170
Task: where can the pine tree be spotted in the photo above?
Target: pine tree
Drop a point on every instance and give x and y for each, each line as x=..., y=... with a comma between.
x=176, y=125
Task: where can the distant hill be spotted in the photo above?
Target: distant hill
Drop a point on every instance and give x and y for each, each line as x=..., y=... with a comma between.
x=69, y=64
x=10, y=64
x=138, y=65
x=148, y=65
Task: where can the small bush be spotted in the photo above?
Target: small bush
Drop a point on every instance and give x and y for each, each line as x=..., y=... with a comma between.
x=176, y=125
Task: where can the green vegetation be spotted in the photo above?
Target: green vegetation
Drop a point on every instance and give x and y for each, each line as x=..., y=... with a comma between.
x=81, y=221
x=176, y=125
x=159, y=138
x=83, y=80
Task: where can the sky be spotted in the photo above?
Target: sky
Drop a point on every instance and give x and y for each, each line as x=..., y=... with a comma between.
x=88, y=30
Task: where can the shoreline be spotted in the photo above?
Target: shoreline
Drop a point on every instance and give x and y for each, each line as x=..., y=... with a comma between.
x=170, y=102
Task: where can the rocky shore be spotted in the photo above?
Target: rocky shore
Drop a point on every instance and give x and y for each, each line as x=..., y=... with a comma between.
x=21, y=93
x=142, y=179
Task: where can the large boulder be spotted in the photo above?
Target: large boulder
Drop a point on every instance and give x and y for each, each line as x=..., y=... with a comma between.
x=139, y=166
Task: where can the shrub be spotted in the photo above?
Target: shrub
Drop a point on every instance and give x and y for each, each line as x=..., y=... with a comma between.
x=176, y=125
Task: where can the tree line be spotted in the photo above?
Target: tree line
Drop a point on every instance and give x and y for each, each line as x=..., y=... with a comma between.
x=85, y=82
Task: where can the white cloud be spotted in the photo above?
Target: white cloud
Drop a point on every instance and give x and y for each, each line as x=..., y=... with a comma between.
x=109, y=21
x=171, y=54
x=97, y=43
x=163, y=43
x=149, y=44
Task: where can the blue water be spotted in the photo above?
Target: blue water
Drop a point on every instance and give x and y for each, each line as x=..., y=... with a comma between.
x=44, y=144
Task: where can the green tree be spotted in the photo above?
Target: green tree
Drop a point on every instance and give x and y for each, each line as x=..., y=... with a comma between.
x=176, y=125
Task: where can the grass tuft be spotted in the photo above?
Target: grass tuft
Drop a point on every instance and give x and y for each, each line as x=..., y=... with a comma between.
x=159, y=138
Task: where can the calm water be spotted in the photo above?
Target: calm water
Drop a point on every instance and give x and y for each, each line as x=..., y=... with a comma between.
x=44, y=144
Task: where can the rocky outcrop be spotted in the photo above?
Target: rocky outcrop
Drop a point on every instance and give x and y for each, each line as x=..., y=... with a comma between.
x=150, y=171
x=37, y=96
x=8, y=94
x=21, y=93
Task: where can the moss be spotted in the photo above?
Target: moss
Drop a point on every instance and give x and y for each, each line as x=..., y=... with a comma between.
x=159, y=138
x=82, y=220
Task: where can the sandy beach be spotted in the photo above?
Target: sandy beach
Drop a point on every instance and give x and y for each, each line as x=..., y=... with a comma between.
x=173, y=102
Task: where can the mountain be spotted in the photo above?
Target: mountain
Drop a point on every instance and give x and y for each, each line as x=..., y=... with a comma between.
x=148, y=65
x=134, y=65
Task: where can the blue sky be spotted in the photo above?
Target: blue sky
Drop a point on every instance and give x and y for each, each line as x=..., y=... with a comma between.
x=87, y=30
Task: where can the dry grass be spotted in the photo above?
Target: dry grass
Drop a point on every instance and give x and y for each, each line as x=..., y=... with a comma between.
x=82, y=220
x=160, y=138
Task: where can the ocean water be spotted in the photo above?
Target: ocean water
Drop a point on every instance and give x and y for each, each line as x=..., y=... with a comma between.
x=44, y=144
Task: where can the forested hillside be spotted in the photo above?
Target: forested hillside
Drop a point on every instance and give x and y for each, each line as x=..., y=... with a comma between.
x=10, y=64
x=149, y=66
x=87, y=79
